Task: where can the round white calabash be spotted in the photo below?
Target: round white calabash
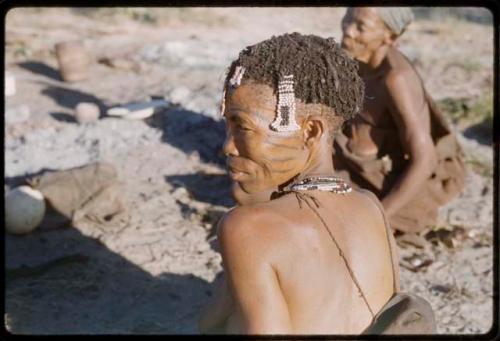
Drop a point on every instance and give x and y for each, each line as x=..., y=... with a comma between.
x=24, y=210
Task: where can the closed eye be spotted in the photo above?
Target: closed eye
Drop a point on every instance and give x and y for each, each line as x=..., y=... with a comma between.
x=242, y=127
x=238, y=123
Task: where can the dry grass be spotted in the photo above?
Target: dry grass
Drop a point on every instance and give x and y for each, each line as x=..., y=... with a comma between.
x=483, y=108
x=466, y=111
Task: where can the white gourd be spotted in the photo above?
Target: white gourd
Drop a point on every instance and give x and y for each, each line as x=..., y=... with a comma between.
x=24, y=210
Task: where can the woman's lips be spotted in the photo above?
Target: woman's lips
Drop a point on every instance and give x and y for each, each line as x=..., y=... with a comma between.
x=237, y=175
x=346, y=44
x=234, y=172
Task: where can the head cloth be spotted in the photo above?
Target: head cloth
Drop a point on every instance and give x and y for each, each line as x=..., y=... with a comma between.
x=396, y=18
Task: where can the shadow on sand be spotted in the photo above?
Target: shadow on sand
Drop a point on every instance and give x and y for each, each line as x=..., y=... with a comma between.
x=192, y=133
x=63, y=117
x=62, y=282
x=481, y=132
x=41, y=69
x=214, y=189
x=69, y=98
x=59, y=281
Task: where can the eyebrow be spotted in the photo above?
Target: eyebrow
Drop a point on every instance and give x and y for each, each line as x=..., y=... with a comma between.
x=361, y=20
x=254, y=116
x=282, y=145
x=260, y=117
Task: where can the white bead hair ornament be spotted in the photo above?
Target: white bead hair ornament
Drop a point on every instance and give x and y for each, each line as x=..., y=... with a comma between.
x=223, y=102
x=285, y=112
x=235, y=80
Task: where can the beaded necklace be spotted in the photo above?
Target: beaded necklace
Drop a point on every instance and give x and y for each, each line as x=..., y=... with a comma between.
x=332, y=184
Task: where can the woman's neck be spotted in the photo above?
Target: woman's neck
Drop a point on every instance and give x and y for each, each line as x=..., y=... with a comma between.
x=320, y=164
x=375, y=64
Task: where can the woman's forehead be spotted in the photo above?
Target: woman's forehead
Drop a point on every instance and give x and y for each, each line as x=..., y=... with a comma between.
x=366, y=13
x=250, y=97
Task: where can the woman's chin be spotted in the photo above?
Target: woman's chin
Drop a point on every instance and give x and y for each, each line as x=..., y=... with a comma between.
x=246, y=194
x=349, y=53
x=354, y=55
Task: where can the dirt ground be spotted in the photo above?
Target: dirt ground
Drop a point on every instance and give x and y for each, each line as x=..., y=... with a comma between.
x=151, y=273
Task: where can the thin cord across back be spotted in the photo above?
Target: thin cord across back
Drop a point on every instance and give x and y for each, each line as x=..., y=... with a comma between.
x=303, y=197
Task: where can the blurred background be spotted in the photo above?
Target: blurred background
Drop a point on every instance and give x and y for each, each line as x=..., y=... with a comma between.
x=166, y=66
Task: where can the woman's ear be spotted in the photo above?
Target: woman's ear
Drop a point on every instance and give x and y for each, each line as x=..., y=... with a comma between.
x=314, y=129
x=389, y=37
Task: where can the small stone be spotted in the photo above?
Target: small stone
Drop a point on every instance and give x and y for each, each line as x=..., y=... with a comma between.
x=10, y=84
x=472, y=234
x=181, y=194
x=87, y=112
x=416, y=262
x=18, y=114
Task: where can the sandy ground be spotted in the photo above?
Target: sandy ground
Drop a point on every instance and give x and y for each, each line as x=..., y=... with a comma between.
x=152, y=273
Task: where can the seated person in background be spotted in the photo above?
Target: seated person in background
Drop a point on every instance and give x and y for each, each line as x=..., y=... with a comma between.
x=400, y=146
x=313, y=256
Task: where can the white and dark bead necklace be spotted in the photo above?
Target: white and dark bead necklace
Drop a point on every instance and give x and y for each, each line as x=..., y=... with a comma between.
x=327, y=183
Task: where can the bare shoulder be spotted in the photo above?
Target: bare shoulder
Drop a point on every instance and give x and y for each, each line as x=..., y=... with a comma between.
x=369, y=205
x=248, y=216
x=397, y=78
x=400, y=72
x=253, y=226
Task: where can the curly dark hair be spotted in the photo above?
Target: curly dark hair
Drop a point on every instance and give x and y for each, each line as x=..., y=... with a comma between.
x=322, y=71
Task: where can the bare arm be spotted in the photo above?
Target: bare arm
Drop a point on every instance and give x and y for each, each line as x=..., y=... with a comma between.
x=216, y=311
x=251, y=277
x=415, y=137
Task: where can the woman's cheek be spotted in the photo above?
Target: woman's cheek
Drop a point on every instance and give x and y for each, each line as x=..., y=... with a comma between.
x=244, y=142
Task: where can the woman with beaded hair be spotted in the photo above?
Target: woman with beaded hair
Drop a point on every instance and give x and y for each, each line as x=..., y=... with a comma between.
x=400, y=145
x=305, y=254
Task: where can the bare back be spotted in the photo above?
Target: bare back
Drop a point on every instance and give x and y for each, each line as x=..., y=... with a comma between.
x=304, y=250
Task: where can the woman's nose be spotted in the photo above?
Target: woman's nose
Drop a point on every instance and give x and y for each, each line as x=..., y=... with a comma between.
x=229, y=148
x=349, y=30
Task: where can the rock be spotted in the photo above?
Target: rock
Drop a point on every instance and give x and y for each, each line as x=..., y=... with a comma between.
x=10, y=84
x=181, y=194
x=86, y=112
x=18, y=114
x=415, y=262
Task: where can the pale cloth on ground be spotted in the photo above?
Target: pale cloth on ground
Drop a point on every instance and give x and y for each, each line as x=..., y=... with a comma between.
x=396, y=18
x=90, y=192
